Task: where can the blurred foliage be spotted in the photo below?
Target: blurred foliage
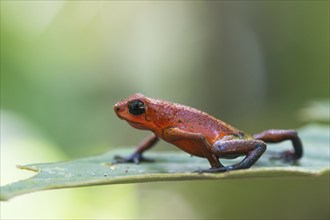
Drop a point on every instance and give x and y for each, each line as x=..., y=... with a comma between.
x=317, y=111
x=65, y=63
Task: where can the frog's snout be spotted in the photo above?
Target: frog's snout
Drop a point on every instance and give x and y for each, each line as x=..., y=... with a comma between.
x=119, y=109
x=116, y=108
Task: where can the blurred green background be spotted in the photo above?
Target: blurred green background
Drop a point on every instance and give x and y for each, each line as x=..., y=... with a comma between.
x=64, y=64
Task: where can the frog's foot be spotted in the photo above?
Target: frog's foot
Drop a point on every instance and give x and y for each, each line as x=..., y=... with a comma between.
x=133, y=158
x=286, y=156
x=214, y=170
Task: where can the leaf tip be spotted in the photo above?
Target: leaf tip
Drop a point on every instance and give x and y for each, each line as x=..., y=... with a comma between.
x=31, y=168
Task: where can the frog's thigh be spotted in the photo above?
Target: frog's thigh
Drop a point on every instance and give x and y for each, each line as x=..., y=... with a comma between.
x=172, y=134
x=223, y=148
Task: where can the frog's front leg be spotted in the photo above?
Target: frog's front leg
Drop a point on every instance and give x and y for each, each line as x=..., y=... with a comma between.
x=253, y=149
x=172, y=134
x=137, y=156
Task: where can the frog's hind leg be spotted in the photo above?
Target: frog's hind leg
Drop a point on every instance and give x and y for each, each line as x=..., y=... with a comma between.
x=253, y=149
x=276, y=136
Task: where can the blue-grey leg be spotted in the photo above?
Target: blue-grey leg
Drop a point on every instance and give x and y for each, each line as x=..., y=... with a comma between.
x=276, y=136
x=253, y=149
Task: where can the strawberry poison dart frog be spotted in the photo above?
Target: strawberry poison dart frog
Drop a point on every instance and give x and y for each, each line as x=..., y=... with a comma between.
x=198, y=134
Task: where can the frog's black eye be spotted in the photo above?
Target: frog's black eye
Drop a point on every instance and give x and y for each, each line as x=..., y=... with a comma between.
x=136, y=107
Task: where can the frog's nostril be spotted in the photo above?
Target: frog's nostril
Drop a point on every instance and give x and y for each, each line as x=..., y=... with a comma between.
x=116, y=108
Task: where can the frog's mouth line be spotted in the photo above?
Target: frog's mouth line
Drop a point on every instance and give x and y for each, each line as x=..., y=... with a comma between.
x=134, y=123
x=128, y=121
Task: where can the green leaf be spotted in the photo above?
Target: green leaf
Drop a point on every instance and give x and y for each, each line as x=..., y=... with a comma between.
x=316, y=111
x=171, y=166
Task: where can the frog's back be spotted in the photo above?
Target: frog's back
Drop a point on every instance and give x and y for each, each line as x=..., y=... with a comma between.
x=198, y=121
x=192, y=120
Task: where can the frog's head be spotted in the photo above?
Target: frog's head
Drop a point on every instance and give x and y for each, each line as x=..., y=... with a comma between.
x=134, y=110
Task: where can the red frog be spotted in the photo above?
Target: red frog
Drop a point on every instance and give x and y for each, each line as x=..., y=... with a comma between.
x=198, y=134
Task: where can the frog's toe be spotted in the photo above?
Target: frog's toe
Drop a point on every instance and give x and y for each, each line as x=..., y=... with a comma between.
x=134, y=158
x=120, y=159
x=213, y=170
x=286, y=156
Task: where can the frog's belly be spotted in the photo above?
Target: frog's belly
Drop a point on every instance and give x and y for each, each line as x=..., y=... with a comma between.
x=190, y=146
